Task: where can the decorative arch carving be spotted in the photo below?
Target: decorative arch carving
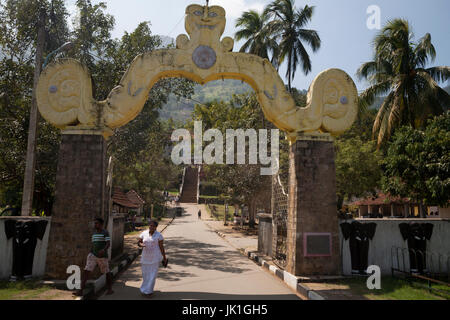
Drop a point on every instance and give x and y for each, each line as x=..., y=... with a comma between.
x=64, y=92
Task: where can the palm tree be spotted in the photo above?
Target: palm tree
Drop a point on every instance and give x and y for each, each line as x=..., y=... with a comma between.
x=399, y=73
x=288, y=24
x=255, y=28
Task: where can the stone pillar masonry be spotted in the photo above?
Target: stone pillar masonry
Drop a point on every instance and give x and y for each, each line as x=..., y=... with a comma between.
x=272, y=210
x=79, y=199
x=312, y=213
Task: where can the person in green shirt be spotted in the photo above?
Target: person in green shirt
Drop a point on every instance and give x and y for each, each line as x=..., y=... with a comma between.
x=101, y=241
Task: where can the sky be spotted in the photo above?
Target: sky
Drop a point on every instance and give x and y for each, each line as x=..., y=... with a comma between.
x=341, y=24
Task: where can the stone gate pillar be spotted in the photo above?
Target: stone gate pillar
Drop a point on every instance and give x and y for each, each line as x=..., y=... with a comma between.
x=79, y=199
x=312, y=227
x=64, y=95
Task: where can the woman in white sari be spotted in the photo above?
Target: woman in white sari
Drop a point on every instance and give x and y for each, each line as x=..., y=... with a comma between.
x=151, y=242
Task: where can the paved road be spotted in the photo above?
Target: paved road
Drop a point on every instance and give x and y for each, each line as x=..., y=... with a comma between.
x=202, y=266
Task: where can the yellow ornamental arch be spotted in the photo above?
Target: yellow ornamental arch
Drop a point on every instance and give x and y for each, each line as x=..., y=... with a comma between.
x=64, y=92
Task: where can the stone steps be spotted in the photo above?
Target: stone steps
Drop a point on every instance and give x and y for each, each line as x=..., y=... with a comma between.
x=189, y=192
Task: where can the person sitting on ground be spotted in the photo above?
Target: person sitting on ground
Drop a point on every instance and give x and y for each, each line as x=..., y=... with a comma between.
x=101, y=241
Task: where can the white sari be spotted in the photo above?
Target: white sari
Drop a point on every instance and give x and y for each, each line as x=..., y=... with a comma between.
x=150, y=259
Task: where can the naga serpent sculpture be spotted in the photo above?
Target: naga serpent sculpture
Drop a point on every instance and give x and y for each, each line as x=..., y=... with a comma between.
x=64, y=92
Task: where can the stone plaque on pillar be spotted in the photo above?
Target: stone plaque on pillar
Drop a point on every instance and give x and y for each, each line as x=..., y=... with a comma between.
x=313, y=234
x=79, y=199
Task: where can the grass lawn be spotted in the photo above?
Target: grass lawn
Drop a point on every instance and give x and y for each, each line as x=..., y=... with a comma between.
x=393, y=289
x=220, y=212
x=22, y=290
x=209, y=197
x=214, y=197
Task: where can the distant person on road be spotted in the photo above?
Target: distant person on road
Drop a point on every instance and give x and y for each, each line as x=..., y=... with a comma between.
x=152, y=244
x=98, y=257
x=199, y=214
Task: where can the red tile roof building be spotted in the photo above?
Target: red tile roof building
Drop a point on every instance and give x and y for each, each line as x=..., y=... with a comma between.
x=122, y=203
x=385, y=205
x=134, y=197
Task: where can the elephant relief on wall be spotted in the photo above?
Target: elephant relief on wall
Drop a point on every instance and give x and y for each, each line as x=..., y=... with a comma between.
x=359, y=236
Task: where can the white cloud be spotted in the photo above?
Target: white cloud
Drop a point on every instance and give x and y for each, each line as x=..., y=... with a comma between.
x=234, y=8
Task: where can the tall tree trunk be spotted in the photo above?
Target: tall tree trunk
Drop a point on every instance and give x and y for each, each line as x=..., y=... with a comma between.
x=242, y=217
x=225, y=215
x=28, y=185
x=422, y=210
x=251, y=213
x=290, y=71
x=340, y=202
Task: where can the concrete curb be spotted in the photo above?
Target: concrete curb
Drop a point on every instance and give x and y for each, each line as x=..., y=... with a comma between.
x=289, y=279
x=221, y=234
x=100, y=283
x=170, y=222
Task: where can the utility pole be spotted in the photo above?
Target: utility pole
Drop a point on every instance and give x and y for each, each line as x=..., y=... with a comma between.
x=242, y=217
x=109, y=184
x=28, y=183
x=225, y=215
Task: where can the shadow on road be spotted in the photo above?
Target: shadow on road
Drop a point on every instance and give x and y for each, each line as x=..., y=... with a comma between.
x=158, y=295
x=190, y=253
x=133, y=293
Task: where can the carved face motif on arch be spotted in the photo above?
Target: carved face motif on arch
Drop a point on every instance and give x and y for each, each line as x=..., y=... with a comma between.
x=202, y=18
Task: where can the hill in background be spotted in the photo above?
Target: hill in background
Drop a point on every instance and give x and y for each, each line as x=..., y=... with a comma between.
x=180, y=109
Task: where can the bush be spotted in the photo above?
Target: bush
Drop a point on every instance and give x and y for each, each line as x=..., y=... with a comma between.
x=208, y=189
x=204, y=200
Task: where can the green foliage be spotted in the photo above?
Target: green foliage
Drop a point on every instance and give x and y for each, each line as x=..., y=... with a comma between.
x=358, y=163
x=20, y=22
x=261, y=40
x=181, y=108
x=147, y=168
x=393, y=288
x=399, y=72
x=417, y=164
x=217, y=211
x=280, y=32
x=243, y=183
x=208, y=189
x=18, y=29
x=289, y=26
x=22, y=290
x=139, y=148
x=92, y=39
x=362, y=126
x=138, y=143
x=358, y=170
x=299, y=97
